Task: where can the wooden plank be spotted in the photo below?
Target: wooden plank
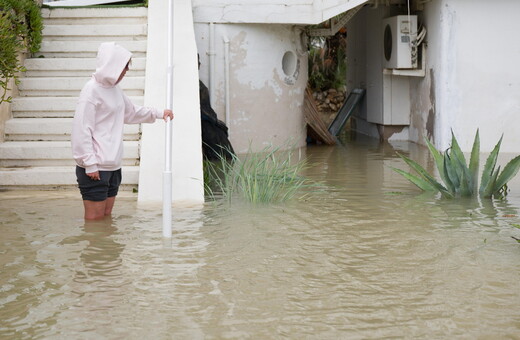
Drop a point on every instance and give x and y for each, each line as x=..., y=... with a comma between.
x=316, y=126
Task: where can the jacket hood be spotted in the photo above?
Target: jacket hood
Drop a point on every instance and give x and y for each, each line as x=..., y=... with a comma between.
x=111, y=61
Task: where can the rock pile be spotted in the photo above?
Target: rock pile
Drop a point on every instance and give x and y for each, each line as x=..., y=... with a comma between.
x=329, y=100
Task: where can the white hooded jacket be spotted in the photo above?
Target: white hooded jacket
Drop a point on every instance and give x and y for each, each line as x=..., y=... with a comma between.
x=102, y=111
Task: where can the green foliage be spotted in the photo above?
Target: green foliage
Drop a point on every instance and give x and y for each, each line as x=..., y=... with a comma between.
x=461, y=180
x=21, y=25
x=265, y=177
x=327, y=62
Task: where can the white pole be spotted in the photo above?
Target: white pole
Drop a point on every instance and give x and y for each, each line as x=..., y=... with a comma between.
x=167, y=174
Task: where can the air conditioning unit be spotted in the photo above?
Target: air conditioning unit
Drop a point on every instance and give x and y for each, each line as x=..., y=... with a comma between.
x=399, y=34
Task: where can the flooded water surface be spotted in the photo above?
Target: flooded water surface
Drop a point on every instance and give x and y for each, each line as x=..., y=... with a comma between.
x=366, y=256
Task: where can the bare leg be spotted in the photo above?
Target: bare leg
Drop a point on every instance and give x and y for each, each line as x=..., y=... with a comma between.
x=109, y=205
x=94, y=210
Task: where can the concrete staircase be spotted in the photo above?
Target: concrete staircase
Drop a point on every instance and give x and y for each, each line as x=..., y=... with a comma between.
x=37, y=152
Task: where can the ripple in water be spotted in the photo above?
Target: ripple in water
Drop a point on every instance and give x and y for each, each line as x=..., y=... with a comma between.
x=365, y=256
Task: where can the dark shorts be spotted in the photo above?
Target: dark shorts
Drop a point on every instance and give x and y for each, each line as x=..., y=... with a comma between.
x=92, y=190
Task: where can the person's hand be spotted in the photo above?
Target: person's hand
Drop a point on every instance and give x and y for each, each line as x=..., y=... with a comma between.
x=94, y=176
x=168, y=114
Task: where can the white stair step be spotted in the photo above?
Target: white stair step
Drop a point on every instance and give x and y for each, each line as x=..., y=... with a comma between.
x=137, y=20
x=42, y=107
x=71, y=86
x=83, y=31
x=51, y=153
x=67, y=67
x=54, y=176
x=93, y=12
x=49, y=90
x=86, y=49
x=125, y=15
x=73, y=64
x=51, y=129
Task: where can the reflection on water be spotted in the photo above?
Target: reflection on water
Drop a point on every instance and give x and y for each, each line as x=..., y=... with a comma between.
x=366, y=256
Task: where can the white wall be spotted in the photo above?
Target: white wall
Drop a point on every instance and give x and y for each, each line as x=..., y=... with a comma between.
x=473, y=52
x=471, y=79
x=265, y=103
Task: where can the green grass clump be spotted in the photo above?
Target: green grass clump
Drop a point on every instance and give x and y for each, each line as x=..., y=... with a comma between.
x=271, y=175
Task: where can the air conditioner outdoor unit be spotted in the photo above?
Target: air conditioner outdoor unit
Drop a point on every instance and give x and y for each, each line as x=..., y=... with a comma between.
x=399, y=34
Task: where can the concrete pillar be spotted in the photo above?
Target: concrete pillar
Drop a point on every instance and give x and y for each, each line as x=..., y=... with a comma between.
x=188, y=186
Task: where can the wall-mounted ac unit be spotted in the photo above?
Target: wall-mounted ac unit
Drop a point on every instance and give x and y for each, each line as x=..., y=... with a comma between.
x=399, y=34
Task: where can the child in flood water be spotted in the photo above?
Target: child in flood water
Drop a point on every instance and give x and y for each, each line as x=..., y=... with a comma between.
x=97, y=131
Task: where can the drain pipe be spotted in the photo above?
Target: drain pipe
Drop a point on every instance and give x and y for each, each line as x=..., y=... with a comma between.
x=211, y=53
x=167, y=173
x=226, y=70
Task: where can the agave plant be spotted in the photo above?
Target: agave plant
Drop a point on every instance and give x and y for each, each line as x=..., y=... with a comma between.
x=459, y=179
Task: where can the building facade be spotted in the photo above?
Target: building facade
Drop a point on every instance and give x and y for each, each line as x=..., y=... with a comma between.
x=469, y=79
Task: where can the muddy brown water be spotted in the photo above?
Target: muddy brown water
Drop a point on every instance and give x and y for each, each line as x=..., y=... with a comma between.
x=364, y=257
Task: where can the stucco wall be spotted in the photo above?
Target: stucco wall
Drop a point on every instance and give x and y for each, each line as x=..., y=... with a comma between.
x=265, y=103
x=472, y=68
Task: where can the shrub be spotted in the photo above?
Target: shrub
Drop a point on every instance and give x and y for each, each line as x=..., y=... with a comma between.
x=21, y=25
x=327, y=62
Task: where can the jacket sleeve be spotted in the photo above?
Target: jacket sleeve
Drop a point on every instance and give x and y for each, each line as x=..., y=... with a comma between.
x=81, y=138
x=135, y=114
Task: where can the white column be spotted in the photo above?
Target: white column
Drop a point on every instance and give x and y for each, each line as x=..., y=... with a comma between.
x=187, y=182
